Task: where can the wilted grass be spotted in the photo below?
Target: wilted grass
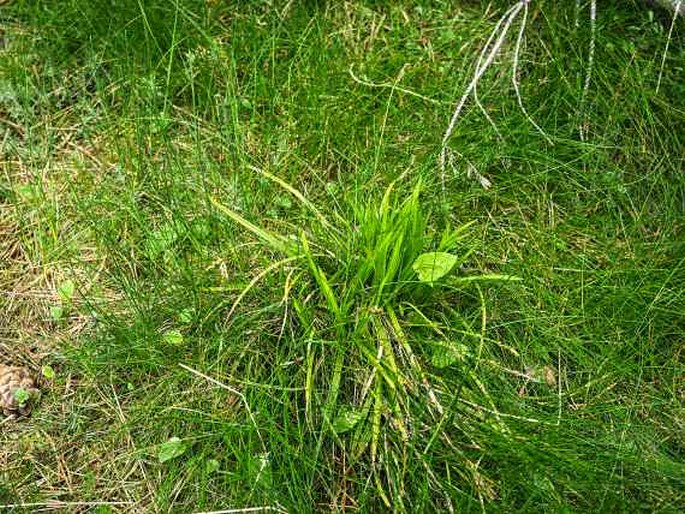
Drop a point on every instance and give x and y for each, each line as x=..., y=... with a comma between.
x=249, y=203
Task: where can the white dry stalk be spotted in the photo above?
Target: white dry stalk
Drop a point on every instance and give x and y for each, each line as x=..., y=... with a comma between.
x=514, y=74
x=493, y=33
x=479, y=63
x=590, y=64
x=482, y=108
x=505, y=24
x=485, y=59
x=668, y=42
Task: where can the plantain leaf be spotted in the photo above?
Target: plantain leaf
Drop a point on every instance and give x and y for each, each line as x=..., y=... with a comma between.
x=432, y=266
x=56, y=312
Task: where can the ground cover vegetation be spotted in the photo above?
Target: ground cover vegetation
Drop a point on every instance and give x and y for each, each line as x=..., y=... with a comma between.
x=227, y=239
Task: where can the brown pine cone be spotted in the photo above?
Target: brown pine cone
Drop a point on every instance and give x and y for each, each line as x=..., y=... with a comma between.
x=18, y=391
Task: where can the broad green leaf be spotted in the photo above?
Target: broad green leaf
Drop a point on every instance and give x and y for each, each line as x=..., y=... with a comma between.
x=65, y=291
x=432, y=266
x=346, y=420
x=171, y=449
x=173, y=337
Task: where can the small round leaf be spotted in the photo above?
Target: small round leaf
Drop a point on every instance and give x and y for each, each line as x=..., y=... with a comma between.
x=21, y=396
x=212, y=466
x=173, y=337
x=48, y=372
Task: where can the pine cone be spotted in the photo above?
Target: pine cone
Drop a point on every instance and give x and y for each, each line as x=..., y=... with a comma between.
x=18, y=391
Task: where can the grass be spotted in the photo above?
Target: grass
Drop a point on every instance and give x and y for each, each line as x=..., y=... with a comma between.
x=248, y=203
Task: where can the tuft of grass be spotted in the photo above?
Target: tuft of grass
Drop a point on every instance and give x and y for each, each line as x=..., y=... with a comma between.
x=354, y=290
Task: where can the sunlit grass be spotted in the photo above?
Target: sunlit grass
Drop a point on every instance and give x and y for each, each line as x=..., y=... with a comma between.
x=249, y=203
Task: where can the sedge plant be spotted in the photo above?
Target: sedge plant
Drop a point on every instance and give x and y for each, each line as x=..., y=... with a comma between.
x=351, y=283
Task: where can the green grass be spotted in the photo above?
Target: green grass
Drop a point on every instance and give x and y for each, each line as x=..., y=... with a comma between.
x=240, y=194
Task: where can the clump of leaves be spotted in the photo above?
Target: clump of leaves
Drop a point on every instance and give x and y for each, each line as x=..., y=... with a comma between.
x=65, y=292
x=21, y=396
x=364, y=274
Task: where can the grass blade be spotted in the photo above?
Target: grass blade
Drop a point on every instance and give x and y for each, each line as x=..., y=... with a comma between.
x=275, y=241
x=321, y=280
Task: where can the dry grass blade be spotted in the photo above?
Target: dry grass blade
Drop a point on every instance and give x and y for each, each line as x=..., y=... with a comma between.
x=61, y=505
x=590, y=65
